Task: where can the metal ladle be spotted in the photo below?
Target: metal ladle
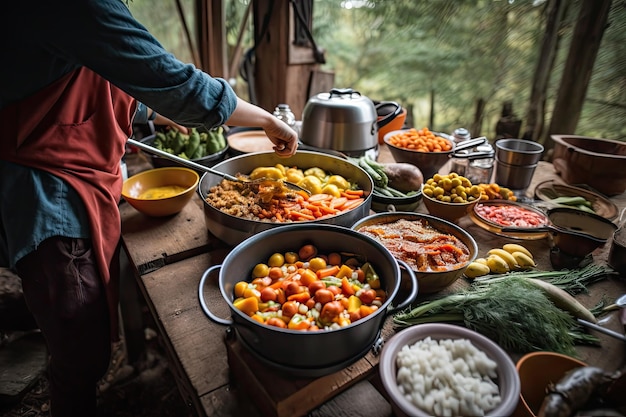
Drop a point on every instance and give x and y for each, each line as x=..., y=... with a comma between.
x=203, y=168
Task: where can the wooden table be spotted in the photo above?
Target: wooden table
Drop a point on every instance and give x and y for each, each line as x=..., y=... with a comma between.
x=168, y=257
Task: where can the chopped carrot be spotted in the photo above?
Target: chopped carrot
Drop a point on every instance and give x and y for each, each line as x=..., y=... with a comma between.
x=301, y=216
x=349, y=196
x=327, y=272
x=350, y=204
x=338, y=201
x=319, y=197
x=354, y=192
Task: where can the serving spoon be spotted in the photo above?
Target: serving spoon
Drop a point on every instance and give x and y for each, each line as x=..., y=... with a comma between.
x=203, y=168
x=619, y=303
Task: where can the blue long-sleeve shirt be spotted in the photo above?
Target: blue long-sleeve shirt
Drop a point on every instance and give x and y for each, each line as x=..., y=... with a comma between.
x=42, y=40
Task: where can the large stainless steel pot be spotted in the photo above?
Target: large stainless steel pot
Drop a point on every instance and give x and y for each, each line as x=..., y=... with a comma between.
x=343, y=120
x=234, y=230
x=296, y=352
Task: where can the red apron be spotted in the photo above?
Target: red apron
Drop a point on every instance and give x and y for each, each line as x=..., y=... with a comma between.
x=76, y=129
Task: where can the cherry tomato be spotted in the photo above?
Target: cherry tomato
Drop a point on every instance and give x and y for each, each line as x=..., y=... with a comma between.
x=291, y=257
x=330, y=311
x=315, y=286
x=307, y=252
x=334, y=259
x=367, y=296
x=317, y=263
x=275, y=272
x=268, y=294
x=334, y=289
x=260, y=270
x=290, y=308
x=276, y=259
x=292, y=288
x=275, y=321
x=324, y=296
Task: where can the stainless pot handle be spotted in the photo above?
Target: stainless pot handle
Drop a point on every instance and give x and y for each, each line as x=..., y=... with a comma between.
x=342, y=92
x=203, y=304
x=414, y=287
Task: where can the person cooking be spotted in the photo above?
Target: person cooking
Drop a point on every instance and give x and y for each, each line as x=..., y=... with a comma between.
x=72, y=79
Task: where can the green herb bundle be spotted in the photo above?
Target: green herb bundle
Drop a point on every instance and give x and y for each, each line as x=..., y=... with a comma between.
x=574, y=281
x=514, y=313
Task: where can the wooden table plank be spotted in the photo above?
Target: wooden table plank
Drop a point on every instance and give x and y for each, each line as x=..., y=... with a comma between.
x=159, y=241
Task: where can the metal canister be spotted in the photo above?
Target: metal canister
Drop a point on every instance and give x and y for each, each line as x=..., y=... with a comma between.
x=284, y=113
x=459, y=162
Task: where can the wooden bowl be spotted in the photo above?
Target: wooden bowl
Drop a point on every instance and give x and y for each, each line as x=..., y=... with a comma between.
x=598, y=163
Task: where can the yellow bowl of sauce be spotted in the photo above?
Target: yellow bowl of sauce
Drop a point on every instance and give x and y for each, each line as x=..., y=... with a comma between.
x=161, y=191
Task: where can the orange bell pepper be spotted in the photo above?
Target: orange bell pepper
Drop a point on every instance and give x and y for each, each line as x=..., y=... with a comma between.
x=347, y=287
x=248, y=305
x=301, y=297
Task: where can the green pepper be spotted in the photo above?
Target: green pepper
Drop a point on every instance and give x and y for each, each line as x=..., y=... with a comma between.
x=200, y=151
x=212, y=144
x=332, y=281
x=219, y=133
x=178, y=144
x=160, y=141
x=193, y=142
x=371, y=277
x=570, y=200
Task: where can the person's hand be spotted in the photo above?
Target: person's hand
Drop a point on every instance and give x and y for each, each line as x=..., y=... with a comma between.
x=284, y=138
x=164, y=121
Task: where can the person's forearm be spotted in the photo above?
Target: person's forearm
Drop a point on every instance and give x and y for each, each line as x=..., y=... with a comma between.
x=248, y=115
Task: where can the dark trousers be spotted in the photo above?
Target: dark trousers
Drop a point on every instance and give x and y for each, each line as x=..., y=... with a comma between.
x=64, y=291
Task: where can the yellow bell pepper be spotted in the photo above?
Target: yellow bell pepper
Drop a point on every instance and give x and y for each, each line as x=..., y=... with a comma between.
x=354, y=303
x=344, y=271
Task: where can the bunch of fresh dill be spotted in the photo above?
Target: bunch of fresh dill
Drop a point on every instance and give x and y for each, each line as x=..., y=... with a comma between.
x=513, y=313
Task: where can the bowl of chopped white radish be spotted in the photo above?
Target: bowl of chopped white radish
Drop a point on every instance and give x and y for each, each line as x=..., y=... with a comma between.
x=440, y=369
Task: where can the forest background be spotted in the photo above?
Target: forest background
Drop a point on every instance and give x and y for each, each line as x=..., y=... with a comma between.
x=441, y=59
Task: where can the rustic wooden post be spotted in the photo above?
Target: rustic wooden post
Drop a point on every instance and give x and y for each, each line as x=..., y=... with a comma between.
x=282, y=69
x=535, y=114
x=578, y=68
x=211, y=37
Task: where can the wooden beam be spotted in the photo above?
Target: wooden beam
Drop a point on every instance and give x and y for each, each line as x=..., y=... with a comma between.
x=210, y=18
x=282, y=70
x=590, y=26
